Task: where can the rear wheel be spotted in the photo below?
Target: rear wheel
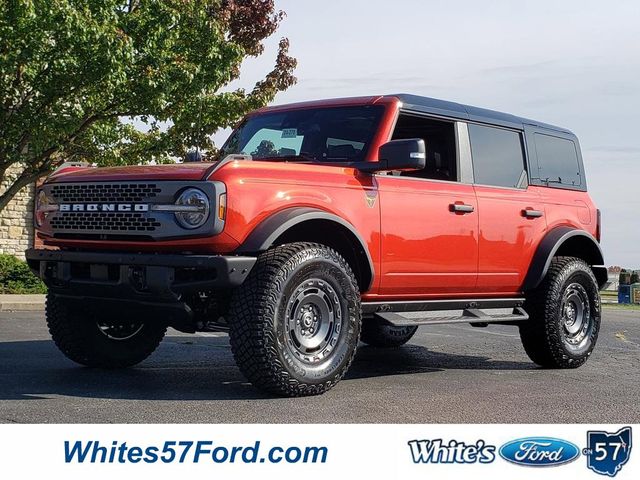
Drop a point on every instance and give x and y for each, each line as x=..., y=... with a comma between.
x=96, y=339
x=564, y=315
x=295, y=322
x=378, y=334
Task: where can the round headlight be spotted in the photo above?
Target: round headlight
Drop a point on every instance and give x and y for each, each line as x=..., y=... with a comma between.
x=44, y=206
x=195, y=208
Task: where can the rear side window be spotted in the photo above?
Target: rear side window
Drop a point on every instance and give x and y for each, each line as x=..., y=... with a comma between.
x=498, y=158
x=557, y=160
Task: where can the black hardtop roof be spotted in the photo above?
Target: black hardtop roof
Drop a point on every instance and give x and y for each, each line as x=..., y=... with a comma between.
x=468, y=112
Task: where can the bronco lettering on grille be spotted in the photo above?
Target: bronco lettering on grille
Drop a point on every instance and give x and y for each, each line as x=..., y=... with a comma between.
x=104, y=207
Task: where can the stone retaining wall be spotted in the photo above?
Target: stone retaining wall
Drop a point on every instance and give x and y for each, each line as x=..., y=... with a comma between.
x=16, y=220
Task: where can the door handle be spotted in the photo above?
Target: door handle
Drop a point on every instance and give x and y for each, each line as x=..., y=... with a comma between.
x=460, y=208
x=530, y=213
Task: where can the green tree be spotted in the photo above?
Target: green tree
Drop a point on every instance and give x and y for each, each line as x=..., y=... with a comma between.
x=73, y=73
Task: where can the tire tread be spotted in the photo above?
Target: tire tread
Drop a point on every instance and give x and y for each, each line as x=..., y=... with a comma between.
x=540, y=336
x=252, y=315
x=376, y=334
x=66, y=328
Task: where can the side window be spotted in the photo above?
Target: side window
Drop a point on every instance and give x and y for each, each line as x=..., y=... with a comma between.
x=557, y=160
x=498, y=157
x=440, y=141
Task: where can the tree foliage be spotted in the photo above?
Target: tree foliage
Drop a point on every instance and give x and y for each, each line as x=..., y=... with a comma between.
x=74, y=72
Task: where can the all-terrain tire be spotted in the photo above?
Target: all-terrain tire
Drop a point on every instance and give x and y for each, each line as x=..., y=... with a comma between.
x=77, y=332
x=564, y=313
x=293, y=294
x=378, y=334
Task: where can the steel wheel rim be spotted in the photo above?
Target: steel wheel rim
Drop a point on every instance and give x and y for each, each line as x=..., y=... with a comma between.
x=313, y=321
x=119, y=331
x=575, y=315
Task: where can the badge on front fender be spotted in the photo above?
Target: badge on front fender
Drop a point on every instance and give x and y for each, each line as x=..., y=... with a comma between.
x=608, y=452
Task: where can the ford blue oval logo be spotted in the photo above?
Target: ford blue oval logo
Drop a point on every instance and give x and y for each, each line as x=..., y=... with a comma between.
x=539, y=451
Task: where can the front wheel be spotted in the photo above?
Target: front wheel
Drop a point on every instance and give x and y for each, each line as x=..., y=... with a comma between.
x=564, y=315
x=96, y=339
x=295, y=322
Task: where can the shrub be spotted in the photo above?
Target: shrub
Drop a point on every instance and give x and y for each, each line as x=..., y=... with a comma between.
x=15, y=277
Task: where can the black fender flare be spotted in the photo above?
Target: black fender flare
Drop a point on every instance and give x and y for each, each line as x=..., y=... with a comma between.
x=552, y=243
x=266, y=233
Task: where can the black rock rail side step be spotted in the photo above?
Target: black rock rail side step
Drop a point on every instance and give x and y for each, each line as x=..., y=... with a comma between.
x=477, y=311
x=468, y=316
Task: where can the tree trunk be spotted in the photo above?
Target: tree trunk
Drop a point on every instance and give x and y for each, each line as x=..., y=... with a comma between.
x=22, y=181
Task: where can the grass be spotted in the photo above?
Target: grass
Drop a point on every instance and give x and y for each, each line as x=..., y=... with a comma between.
x=622, y=306
x=613, y=295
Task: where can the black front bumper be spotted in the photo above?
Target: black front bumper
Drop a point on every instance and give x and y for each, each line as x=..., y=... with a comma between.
x=136, y=276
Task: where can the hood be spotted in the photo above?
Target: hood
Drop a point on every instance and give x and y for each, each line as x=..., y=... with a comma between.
x=177, y=171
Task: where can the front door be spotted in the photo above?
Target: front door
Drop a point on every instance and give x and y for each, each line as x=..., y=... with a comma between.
x=430, y=237
x=429, y=219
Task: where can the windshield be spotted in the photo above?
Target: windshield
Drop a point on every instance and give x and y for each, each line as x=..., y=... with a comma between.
x=334, y=134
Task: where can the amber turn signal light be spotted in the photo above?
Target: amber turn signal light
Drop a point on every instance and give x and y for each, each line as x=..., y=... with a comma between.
x=222, y=206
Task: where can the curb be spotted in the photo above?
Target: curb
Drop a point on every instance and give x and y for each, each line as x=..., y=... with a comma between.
x=21, y=303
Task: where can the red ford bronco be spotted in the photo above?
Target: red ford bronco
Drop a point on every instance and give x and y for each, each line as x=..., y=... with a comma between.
x=322, y=224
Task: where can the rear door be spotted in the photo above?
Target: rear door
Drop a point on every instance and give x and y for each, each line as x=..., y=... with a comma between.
x=511, y=212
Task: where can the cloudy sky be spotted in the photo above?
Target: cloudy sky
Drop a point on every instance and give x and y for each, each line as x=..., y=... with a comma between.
x=574, y=63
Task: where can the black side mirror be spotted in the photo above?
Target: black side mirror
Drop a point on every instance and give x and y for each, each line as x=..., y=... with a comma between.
x=405, y=154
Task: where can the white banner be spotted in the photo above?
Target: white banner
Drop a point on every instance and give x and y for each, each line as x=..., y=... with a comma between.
x=320, y=451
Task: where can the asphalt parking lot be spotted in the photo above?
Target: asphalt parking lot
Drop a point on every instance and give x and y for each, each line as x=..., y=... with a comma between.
x=448, y=374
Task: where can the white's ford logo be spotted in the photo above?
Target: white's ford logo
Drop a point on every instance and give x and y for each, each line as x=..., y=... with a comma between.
x=539, y=451
x=103, y=207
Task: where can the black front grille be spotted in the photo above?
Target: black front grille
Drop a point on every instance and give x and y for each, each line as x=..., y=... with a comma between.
x=105, y=192
x=114, y=222
x=113, y=211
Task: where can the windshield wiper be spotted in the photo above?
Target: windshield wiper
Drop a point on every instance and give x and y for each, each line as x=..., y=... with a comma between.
x=288, y=158
x=306, y=158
